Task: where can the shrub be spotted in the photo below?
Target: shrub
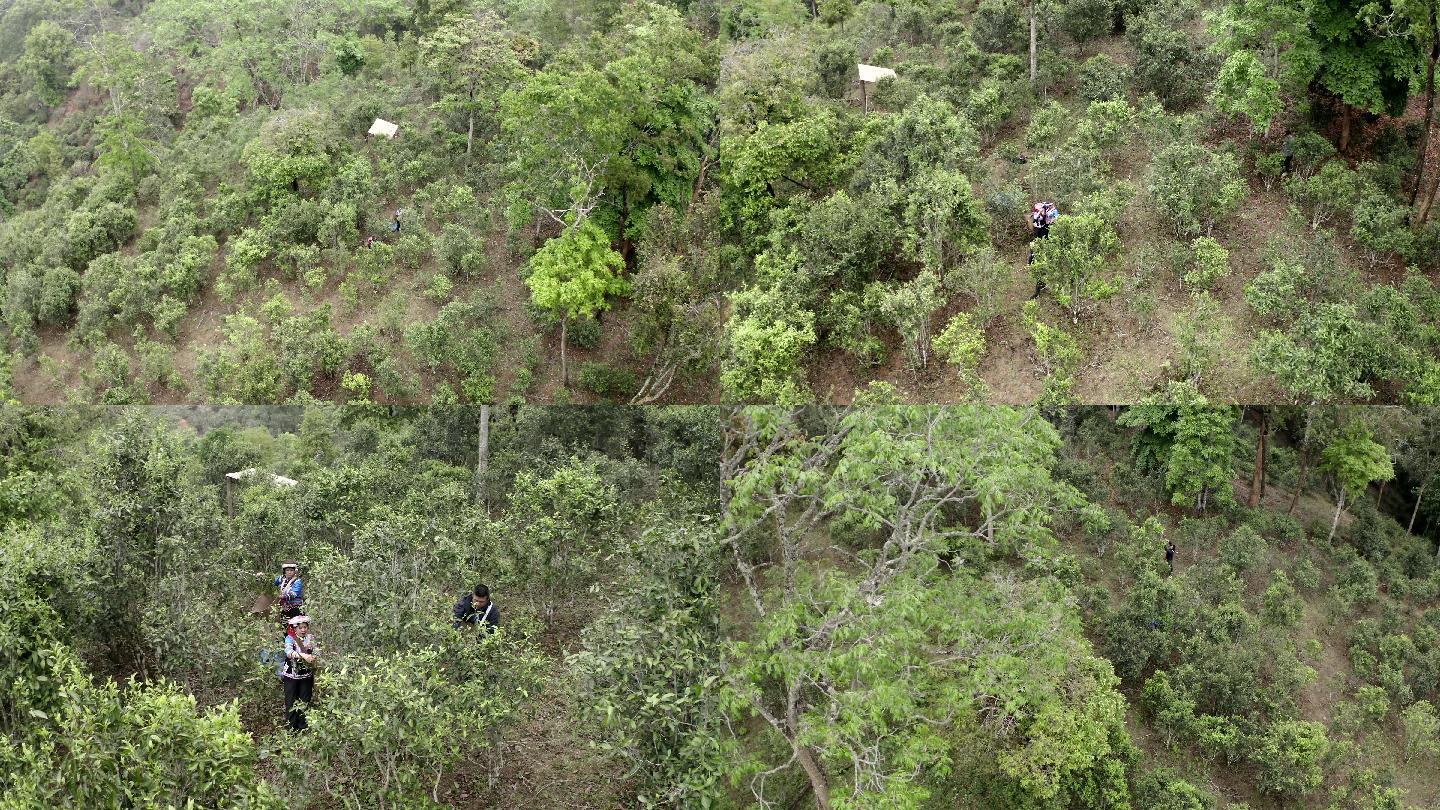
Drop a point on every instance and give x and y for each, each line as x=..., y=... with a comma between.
x=94, y=232
x=1242, y=548
x=1169, y=63
x=1195, y=187
x=1335, y=190
x=146, y=746
x=1162, y=789
x=1290, y=754
x=961, y=343
x=768, y=337
x=1283, y=607
x=454, y=244
x=584, y=333
x=56, y=296
x=607, y=381
x=1071, y=262
x=1084, y=20
x=997, y=27
x=412, y=249
x=1056, y=354
x=1103, y=79
x=1046, y=124
x=395, y=724
x=1381, y=226
x=1211, y=262
x=1374, y=704
x=1422, y=730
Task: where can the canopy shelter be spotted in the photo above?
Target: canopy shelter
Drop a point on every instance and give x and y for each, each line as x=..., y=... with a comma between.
x=869, y=74
x=383, y=127
x=874, y=73
x=251, y=475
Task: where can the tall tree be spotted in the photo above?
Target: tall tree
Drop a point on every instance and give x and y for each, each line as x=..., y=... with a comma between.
x=572, y=274
x=1419, y=455
x=1192, y=440
x=916, y=500
x=470, y=59
x=1354, y=459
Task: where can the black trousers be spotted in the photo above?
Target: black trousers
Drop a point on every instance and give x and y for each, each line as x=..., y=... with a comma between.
x=300, y=689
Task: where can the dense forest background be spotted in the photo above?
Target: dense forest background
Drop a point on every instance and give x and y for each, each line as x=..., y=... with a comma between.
x=132, y=669
x=698, y=201
x=910, y=607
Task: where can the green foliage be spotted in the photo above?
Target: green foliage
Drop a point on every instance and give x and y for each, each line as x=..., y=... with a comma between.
x=1169, y=62
x=1103, y=79
x=1334, y=190
x=1211, y=263
x=1355, y=459
x=572, y=274
x=1072, y=262
x=1328, y=354
x=909, y=307
x=1242, y=549
x=1283, y=607
x=125, y=147
x=961, y=344
x=607, y=381
x=559, y=525
x=651, y=665
x=1056, y=355
x=1195, y=188
x=1083, y=20
x=1422, y=730
x=1163, y=790
x=394, y=725
x=943, y=221
x=149, y=746
x=1244, y=88
x=767, y=337
x=1191, y=439
x=47, y=61
x=1290, y=754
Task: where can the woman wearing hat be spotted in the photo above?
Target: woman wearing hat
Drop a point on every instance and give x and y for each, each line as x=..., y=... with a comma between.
x=301, y=654
x=292, y=590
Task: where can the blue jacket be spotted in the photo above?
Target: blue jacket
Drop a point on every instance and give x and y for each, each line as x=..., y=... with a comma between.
x=292, y=596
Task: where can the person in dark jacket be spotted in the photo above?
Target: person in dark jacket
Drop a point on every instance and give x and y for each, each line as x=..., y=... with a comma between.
x=476, y=610
x=1170, y=554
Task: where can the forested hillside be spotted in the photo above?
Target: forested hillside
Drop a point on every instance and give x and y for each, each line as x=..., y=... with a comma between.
x=136, y=668
x=973, y=607
x=907, y=607
x=699, y=200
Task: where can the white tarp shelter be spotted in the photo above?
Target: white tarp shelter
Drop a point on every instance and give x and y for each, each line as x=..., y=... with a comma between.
x=277, y=480
x=383, y=127
x=251, y=475
x=873, y=73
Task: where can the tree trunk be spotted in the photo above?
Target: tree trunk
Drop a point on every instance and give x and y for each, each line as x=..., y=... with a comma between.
x=1429, y=105
x=1419, y=496
x=1257, y=481
x=1301, y=479
x=564, y=372
x=470, y=134
x=482, y=454
x=1429, y=197
x=1335, y=523
x=1344, y=126
x=818, y=783
x=1033, y=71
x=1380, y=494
